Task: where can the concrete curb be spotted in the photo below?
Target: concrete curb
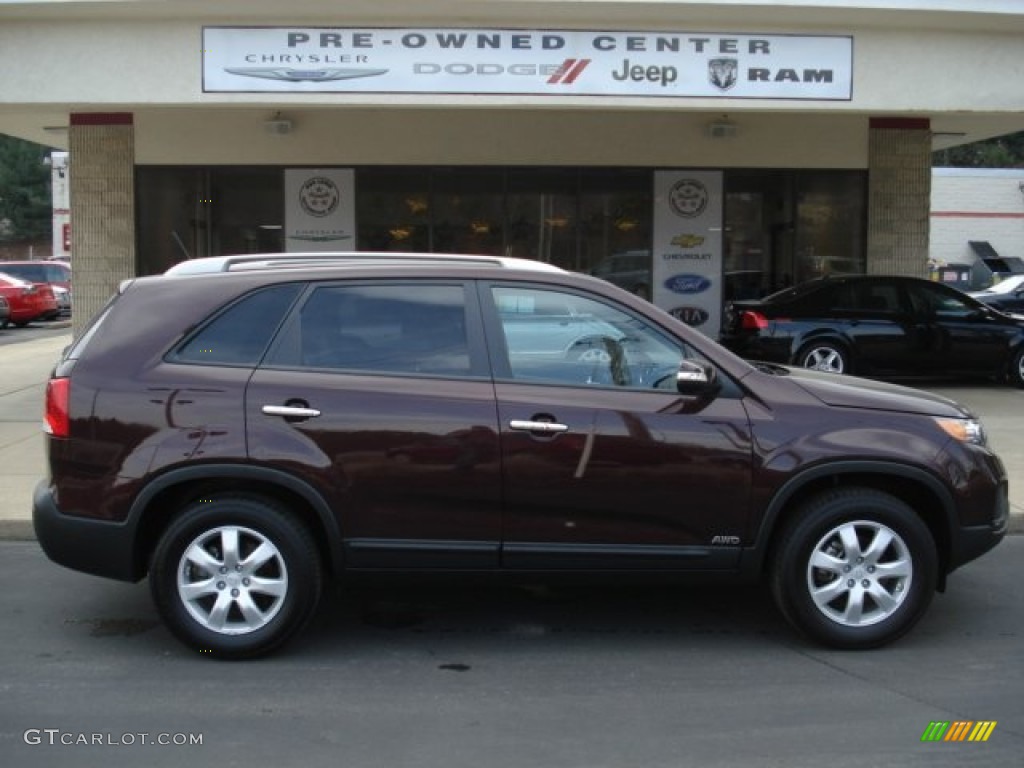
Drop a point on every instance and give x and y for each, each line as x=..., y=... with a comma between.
x=16, y=530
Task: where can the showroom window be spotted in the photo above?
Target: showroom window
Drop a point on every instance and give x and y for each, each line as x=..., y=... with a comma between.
x=188, y=213
x=781, y=226
x=574, y=218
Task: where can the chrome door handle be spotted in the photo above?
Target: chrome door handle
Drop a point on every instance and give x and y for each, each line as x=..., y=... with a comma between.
x=290, y=411
x=547, y=427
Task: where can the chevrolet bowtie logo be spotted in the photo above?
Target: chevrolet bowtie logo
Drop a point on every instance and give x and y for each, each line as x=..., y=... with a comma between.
x=299, y=75
x=688, y=241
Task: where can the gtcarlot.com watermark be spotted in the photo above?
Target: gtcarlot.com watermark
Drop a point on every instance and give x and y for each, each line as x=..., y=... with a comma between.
x=55, y=737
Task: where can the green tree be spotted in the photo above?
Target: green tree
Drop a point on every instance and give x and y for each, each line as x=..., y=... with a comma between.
x=25, y=200
x=1001, y=152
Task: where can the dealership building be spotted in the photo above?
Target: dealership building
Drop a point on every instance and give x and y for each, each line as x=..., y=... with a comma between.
x=689, y=151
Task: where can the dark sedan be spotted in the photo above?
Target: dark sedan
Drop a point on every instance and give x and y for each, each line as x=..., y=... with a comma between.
x=878, y=325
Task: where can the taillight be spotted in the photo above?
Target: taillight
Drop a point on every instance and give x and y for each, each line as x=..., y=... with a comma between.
x=56, y=420
x=753, y=321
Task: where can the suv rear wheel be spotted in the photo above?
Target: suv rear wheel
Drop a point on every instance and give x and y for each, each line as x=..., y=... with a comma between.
x=235, y=577
x=856, y=569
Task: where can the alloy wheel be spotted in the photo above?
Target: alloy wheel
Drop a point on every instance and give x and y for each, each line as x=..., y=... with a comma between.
x=859, y=573
x=232, y=580
x=825, y=359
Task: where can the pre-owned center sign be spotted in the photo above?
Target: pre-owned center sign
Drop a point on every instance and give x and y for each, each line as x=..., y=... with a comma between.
x=527, y=62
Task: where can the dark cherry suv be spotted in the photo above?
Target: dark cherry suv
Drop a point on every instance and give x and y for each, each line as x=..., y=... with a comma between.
x=241, y=428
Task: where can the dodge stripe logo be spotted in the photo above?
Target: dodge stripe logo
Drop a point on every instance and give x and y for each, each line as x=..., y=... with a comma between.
x=568, y=72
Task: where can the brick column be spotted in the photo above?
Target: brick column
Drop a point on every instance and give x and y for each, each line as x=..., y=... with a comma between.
x=899, y=196
x=102, y=168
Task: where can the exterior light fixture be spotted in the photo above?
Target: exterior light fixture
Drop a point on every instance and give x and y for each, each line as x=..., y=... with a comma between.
x=721, y=129
x=278, y=125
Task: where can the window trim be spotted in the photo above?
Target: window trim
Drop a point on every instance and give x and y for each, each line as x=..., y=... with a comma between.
x=173, y=355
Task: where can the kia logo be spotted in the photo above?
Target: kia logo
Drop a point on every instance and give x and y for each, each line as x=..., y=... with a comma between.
x=688, y=284
x=692, y=316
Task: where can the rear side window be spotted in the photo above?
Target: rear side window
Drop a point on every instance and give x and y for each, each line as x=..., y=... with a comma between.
x=240, y=334
x=381, y=328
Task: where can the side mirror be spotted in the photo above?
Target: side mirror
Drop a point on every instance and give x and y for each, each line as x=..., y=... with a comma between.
x=696, y=378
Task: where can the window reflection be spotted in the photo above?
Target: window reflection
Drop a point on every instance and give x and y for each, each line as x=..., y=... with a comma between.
x=554, y=337
x=393, y=210
x=781, y=226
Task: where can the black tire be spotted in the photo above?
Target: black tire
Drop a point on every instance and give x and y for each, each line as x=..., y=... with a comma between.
x=275, y=609
x=892, y=583
x=824, y=356
x=1015, y=374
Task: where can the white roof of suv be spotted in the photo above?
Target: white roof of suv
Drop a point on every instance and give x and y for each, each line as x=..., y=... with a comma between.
x=256, y=261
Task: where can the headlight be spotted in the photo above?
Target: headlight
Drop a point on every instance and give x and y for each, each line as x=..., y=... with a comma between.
x=964, y=430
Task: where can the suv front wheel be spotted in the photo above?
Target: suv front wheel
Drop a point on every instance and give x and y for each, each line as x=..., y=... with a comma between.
x=235, y=577
x=855, y=569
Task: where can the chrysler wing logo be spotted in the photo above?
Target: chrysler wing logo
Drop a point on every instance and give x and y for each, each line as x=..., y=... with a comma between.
x=300, y=75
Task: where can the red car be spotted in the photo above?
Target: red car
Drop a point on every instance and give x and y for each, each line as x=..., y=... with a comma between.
x=28, y=301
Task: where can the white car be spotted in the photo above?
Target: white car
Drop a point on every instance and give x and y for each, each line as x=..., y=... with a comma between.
x=1010, y=284
x=1007, y=295
x=63, y=297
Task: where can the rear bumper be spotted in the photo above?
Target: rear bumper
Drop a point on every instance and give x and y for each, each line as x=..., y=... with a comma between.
x=92, y=546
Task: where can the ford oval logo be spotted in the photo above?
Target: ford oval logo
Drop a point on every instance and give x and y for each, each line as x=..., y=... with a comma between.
x=693, y=316
x=688, y=284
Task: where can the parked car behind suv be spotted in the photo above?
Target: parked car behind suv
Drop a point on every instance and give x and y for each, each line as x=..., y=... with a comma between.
x=242, y=428
x=1007, y=295
x=878, y=325
x=54, y=273
x=27, y=301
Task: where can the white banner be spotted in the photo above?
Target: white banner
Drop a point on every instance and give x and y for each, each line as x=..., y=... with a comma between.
x=687, y=273
x=319, y=209
x=541, y=62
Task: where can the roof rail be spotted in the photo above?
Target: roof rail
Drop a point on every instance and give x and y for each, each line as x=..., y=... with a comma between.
x=258, y=261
